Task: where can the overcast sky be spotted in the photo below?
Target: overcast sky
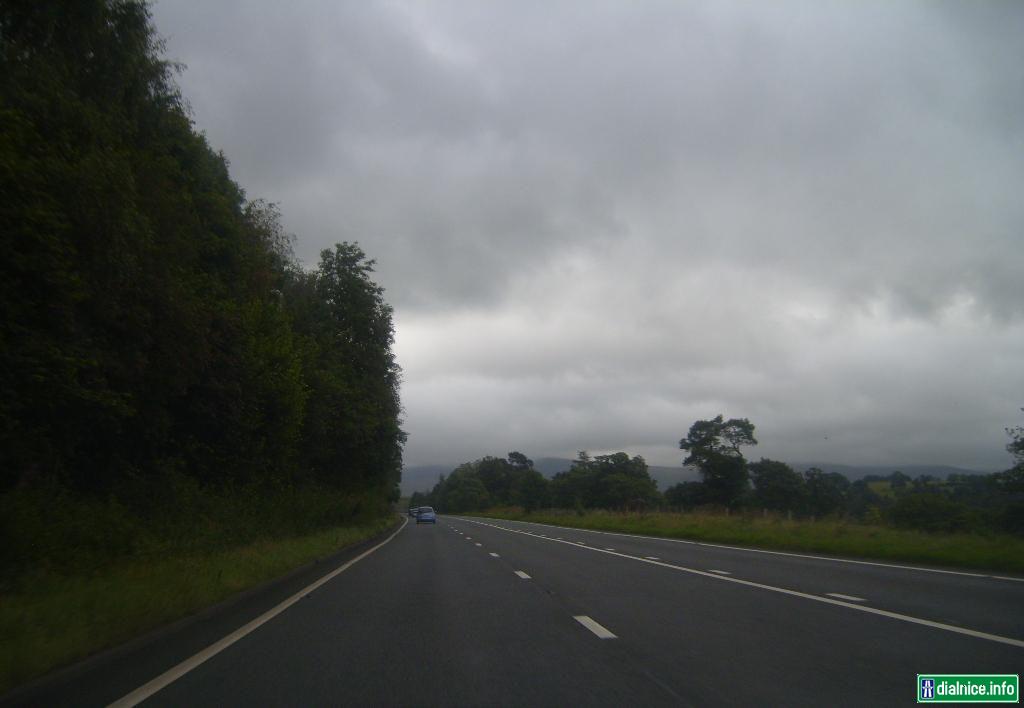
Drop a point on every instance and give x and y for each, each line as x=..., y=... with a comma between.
x=600, y=221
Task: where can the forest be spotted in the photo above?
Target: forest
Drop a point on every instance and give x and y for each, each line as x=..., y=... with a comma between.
x=171, y=374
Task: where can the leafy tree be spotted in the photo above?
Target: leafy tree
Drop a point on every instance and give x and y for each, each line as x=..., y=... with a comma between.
x=686, y=495
x=497, y=476
x=929, y=511
x=1016, y=445
x=825, y=491
x=714, y=447
x=777, y=486
x=606, y=481
x=530, y=490
x=153, y=323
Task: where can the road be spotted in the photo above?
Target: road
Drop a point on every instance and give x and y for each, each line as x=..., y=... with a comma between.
x=485, y=612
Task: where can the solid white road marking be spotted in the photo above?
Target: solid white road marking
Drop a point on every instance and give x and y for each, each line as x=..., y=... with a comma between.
x=173, y=674
x=851, y=598
x=609, y=549
x=1003, y=577
x=495, y=555
x=652, y=558
x=594, y=627
x=720, y=572
x=522, y=575
x=795, y=593
x=776, y=553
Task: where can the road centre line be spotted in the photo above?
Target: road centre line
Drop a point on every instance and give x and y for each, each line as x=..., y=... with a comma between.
x=174, y=673
x=851, y=598
x=784, y=591
x=594, y=627
x=775, y=553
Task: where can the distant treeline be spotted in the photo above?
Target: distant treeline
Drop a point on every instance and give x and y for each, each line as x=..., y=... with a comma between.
x=156, y=328
x=993, y=502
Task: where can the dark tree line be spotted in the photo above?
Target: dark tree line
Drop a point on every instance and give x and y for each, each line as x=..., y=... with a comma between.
x=614, y=481
x=153, y=322
x=992, y=502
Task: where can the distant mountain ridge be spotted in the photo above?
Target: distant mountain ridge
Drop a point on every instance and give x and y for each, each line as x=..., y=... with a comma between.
x=422, y=478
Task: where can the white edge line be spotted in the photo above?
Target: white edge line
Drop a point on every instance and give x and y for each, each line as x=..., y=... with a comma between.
x=774, y=553
x=851, y=598
x=794, y=593
x=174, y=673
x=594, y=627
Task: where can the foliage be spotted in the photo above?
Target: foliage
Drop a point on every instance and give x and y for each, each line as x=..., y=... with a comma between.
x=777, y=486
x=613, y=481
x=714, y=447
x=825, y=492
x=160, y=349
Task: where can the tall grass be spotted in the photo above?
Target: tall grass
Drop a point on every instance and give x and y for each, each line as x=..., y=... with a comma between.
x=832, y=536
x=81, y=574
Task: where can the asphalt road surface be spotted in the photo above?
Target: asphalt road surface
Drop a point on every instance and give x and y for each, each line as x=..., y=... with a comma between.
x=485, y=612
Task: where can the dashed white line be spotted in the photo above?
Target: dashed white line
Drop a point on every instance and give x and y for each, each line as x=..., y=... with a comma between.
x=477, y=544
x=495, y=555
x=720, y=572
x=796, y=593
x=594, y=627
x=851, y=598
x=522, y=575
x=774, y=553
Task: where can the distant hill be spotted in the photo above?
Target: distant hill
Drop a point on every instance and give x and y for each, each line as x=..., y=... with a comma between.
x=422, y=478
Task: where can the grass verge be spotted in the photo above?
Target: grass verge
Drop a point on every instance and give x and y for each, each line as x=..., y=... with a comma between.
x=833, y=537
x=51, y=620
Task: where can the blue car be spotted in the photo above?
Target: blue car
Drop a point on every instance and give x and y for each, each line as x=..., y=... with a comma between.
x=426, y=515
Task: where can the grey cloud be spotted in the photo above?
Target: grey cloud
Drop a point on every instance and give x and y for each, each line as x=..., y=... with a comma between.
x=600, y=221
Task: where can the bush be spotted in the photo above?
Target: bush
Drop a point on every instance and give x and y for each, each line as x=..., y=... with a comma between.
x=929, y=512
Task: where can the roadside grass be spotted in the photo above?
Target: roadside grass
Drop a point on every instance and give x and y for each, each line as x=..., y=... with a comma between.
x=835, y=537
x=50, y=619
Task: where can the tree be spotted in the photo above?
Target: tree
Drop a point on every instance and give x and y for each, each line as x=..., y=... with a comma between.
x=685, y=495
x=777, y=486
x=825, y=491
x=496, y=475
x=1016, y=446
x=530, y=490
x=714, y=447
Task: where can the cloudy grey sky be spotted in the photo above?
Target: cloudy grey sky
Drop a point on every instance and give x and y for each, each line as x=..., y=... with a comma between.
x=601, y=221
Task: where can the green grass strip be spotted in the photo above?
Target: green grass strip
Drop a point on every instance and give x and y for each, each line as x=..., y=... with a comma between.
x=53, y=620
x=834, y=537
